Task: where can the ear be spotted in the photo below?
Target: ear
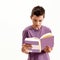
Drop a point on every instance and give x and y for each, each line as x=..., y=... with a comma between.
x=44, y=16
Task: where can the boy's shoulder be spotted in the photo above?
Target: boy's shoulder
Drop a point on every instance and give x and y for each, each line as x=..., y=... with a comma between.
x=27, y=28
x=46, y=28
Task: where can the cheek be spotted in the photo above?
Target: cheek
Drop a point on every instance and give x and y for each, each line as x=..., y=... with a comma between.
x=33, y=22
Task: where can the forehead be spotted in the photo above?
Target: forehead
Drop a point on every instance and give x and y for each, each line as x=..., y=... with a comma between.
x=37, y=17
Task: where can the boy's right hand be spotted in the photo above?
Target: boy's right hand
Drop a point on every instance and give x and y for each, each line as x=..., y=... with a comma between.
x=25, y=48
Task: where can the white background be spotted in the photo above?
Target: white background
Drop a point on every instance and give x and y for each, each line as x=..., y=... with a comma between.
x=15, y=16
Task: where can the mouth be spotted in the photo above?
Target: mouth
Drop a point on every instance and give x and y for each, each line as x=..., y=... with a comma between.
x=37, y=25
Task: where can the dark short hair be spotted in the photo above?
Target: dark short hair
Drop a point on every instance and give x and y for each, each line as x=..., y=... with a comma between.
x=38, y=10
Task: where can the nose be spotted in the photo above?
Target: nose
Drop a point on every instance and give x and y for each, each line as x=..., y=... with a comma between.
x=37, y=23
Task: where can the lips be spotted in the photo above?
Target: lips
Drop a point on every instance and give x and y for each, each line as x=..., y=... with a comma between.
x=36, y=25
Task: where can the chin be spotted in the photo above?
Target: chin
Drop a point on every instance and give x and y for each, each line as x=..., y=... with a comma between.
x=37, y=28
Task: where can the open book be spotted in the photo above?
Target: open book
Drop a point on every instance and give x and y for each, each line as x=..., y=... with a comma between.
x=38, y=44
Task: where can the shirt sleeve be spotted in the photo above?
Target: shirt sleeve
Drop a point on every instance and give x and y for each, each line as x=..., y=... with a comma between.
x=48, y=30
x=24, y=35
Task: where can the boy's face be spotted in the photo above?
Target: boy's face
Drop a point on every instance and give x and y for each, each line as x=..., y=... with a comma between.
x=37, y=20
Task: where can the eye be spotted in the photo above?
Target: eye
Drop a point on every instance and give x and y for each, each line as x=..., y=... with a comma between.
x=40, y=20
x=35, y=20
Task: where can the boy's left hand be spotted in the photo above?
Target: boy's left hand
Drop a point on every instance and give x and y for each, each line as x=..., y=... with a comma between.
x=47, y=49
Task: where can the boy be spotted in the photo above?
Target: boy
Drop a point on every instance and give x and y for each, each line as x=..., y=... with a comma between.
x=36, y=30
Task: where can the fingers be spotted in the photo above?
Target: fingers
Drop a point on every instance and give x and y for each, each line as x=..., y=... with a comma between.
x=26, y=47
x=25, y=50
x=47, y=49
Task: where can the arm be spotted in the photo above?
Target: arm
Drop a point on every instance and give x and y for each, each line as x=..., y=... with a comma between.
x=25, y=47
